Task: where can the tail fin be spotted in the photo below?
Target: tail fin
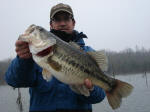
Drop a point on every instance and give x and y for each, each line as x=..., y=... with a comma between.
x=122, y=89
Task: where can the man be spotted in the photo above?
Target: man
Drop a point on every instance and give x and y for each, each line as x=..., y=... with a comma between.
x=52, y=96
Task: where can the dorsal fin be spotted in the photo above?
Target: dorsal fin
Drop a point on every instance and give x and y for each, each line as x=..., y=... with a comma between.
x=101, y=59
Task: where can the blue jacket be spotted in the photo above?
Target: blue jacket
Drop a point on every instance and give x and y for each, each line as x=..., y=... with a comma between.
x=52, y=95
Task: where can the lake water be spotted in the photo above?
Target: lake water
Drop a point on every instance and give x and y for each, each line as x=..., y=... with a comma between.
x=138, y=101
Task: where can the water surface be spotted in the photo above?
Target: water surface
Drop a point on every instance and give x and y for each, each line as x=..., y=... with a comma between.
x=138, y=101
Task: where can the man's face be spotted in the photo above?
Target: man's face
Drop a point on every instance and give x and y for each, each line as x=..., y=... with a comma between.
x=62, y=21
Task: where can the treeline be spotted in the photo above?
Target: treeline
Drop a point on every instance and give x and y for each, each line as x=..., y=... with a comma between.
x=3, y=67
x=129, y=61
x=124, y=62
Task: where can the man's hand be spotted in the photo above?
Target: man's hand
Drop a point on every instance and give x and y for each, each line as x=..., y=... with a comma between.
x=88, y=84
x=22, y=49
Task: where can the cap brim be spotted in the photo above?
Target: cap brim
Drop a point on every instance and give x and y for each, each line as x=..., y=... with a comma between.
x=60, y=11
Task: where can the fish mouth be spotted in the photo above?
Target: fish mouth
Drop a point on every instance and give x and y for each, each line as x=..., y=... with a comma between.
x=45, y=52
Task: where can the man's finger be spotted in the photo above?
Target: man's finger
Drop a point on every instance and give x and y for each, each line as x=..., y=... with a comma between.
x=20, y=43
x=22, y=48
x=88, y=84
x=26, y=56
x=23, y=51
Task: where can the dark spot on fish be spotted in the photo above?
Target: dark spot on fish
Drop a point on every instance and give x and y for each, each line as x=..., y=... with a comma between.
x=87, y=71
x=77, y=65
x=81, y=68
x=73, y=63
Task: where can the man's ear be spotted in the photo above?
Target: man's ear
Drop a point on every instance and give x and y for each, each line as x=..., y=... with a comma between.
x=51, y=26
x=74, y=22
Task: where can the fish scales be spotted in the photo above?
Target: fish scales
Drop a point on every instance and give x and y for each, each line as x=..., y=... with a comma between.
x=73, y=58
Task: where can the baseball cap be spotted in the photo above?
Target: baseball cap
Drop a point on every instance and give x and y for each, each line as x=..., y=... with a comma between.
x=60, y=7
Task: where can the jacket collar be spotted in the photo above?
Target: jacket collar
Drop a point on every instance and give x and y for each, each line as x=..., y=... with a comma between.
x=75, y=36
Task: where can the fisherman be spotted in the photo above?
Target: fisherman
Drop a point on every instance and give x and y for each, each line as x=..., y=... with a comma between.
x=52, y=96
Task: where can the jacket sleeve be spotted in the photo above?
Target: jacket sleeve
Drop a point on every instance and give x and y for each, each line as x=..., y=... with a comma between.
x=21, y=73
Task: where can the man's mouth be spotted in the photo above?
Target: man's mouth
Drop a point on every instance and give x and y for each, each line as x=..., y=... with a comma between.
x=63, y=29
x=45, y=52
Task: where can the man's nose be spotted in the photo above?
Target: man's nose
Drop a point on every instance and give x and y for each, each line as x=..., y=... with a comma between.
x=62, y=23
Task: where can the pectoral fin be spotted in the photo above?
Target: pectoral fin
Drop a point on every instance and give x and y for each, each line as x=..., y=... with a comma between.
x=101, y=59
x=46, y=75
x=80, y=89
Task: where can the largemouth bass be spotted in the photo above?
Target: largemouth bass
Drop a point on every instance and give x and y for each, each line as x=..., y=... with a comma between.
x=71, y=65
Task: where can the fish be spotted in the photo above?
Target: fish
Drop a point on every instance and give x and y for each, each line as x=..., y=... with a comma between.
x=71, y=65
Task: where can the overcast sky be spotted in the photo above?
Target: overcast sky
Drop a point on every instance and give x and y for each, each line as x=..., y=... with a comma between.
x=109, y=24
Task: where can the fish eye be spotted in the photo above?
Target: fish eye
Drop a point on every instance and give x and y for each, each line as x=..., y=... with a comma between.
x=41, y=29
